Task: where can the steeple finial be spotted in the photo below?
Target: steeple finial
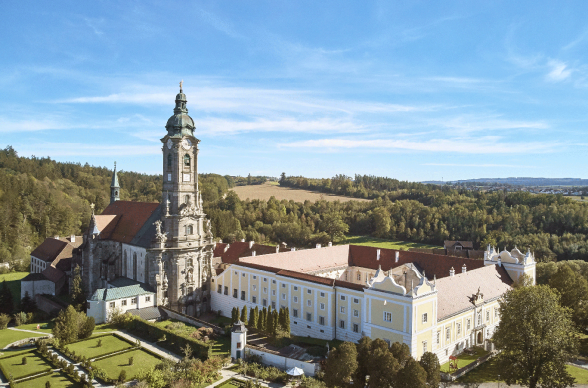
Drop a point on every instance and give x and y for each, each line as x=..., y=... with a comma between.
x=181, y=82
x=114, y=187
x=92, y=206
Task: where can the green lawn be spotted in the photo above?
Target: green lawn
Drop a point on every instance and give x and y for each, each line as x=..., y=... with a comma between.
x=221, y=321
x=222, y=346
x=13, y=365
x=57, y=380
x=104, y=327
x=13, y=282
x=231, y=383
x=45, y=327
x=10, y=336
x=580, y=374
x=89, y=348
x=465, y=359
x=381, y=243
x=113, y=365
x=179, y=327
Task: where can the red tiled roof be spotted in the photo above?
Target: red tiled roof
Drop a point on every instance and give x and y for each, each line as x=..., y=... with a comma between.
x=53, y=274
x=240, y=249
x=307, y=260
x=433, y=265
x=129, y=218
x=465, y=244
x=455, y=292
x=50, y=249
x=219, y=249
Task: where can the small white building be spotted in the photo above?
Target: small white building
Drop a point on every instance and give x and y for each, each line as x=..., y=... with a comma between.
x=238, y=340
x=122, y=295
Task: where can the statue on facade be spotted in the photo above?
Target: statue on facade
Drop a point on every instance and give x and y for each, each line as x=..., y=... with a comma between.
x=160, y=235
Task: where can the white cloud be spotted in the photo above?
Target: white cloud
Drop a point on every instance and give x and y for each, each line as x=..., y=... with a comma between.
x=477, y=165
x=11, y=126
x=81, y=149
x=486, y=145
x=559, y=70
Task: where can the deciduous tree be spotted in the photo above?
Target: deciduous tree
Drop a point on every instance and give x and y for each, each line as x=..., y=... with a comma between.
x=340, y=365
x=430, y=363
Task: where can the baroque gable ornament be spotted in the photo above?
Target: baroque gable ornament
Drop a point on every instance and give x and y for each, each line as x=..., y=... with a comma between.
x=160, y=235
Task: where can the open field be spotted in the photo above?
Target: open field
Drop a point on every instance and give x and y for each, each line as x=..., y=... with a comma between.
x=14, y=366
x=380, y=243
x=89, y=348
x=13, y=283
x=113, y=365
x=57, y=380
x=9, y=336
x=267, y=190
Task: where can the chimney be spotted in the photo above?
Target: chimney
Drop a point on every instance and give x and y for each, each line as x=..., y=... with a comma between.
x=330, y=243
x=463, y=268
x=56, y=237
x=397, y=257
x=451, y=272
x=253, y=253
x=251, y=244
x=277, y=248
x=378, y=255
x=72, y=238
x=292, y=249
x=242, y=240
x=318, y=246
x=227, y=247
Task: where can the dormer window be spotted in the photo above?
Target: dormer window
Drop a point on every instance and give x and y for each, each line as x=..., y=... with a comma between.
x=187, y=160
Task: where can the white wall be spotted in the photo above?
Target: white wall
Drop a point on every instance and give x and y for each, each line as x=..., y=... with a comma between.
x=37, y=287
x=101, y=310
x=283, y=363
x=141, y=252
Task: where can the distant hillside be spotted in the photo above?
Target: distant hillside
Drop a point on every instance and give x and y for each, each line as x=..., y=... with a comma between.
x=521, y=181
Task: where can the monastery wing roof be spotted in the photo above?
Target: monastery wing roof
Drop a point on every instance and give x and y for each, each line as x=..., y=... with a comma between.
x=127, y=222
x=50, y=249
x=219, y=249
x=455, y=292
x=120, y=292
x=240, y=249
x=433, y=265
x=53, y=273
x=307, y=260
x=465, y=244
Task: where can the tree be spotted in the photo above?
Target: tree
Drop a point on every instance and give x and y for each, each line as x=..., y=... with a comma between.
x=87, y=325
x=6, y=300
x=253, y=318
x=381, y=221
x=382, y=366
x=334, y=225
x=66, y=325
x=537, y=337
x=401, y=352
x=340, y=365
x=287, y=321
x=270, y=322
x=234, y=315
x=78, y=292
x=430, y=363
x=412, y=375
x=263, y=323
x=276, y=324
x=573, y=289
x=244, y=315
x=363, y=356
x=27, y=303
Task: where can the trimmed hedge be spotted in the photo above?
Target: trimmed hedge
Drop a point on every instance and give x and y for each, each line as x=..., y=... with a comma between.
x=36, y=353
x=173, y=342
x=38, y=376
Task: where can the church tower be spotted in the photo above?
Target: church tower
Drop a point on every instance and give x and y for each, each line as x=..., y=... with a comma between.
x=181, y=253
x=114, y=187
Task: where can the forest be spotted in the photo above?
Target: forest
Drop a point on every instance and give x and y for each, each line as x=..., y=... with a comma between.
x=40, y=198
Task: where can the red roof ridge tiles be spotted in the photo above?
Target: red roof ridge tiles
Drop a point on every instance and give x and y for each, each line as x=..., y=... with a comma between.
x=122, y=220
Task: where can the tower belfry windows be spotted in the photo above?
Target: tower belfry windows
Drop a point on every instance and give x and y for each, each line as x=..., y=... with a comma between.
x=187, y=160
x=169, y=161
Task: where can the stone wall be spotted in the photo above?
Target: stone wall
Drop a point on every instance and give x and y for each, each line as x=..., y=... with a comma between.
x=284, y=363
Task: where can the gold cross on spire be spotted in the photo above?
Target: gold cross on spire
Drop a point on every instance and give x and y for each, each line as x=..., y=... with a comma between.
x=181, y=82
x=92, y=207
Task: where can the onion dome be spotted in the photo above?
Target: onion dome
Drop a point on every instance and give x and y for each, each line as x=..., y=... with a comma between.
x=180, y=124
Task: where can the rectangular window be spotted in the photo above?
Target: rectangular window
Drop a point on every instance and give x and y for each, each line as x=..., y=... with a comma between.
x=284, y=296
x=355, y=328
x=308, y=316
x=265, y=290
x=342, y=324
x=495, y=312
x=425, y=318
x=265, y=303
x=254, y=277
x=343, y=309
x=274, y=281
x=356, y=313
x=265, y=279
x=147, y=299
x=236, y=273
x=124, y=302
x=235, y=293
x=387, y=316
x=322, y=294
x=295, y=288
x=283, y=285
x=322, y=306
x=342, y=297
x=220, y=289
x=274, y=292
x=438, y=337
x=274, y=304
x=424, y=346
x=254, y=299
x=309, y=291
x=226, y=290
x=355, y=300
x=242, y=295
x=295, y=299
x=309, y=303
x=488, y=316
x=254, y=287
x=322, y=321
x=111, y=305
x=359, y=276
x=243, y=274
x=295, y=313
x=134, y=301
x=468, y=323
x=447, y=334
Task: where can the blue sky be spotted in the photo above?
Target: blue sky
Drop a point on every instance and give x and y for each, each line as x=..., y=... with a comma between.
x=411, y=90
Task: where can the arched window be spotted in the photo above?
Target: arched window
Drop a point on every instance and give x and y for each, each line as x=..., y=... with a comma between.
x=479, y=319
x=187, y=160
x=169, y=161
x=125, y=264
x=189, y=263
x=135, y=265
x=189, y=229
x=187, y=199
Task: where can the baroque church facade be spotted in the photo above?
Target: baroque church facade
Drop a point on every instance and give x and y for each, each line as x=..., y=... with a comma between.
x=165, y=248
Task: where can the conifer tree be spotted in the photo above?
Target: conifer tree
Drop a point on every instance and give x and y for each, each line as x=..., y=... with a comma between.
x=244, y=315
x=257, y=317
x=234, y=315
x=78, y=292
x=6, y=301
x=281, y=318
x=252, y=318
x=287, y=321
x=276, y=323
x=270, y=323
x=263, y=325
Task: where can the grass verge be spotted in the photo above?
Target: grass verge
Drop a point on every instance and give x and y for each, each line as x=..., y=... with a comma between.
x=57, y=380
x=381, y=243
x=14, y=367
x=465, y=359
x=10, y=336
x=113, y=365
x=89, y=348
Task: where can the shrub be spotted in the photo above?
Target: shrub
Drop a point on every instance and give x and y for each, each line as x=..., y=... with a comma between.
x=47, y=384
x=122, y=376
x=4, y=320
x=175, y=326
x=24, y=360
x=131, y=360
x=99, y=344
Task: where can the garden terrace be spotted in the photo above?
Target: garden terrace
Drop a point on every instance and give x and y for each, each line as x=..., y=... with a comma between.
x=89, y=347
x=57, y=380
x=12, y=365
x=113, y=365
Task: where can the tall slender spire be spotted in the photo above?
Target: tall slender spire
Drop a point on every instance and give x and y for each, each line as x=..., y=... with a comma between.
x=114, y=187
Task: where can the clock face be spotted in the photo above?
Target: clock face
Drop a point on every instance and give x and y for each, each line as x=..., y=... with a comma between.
x=187, y=144
x=169, y=144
